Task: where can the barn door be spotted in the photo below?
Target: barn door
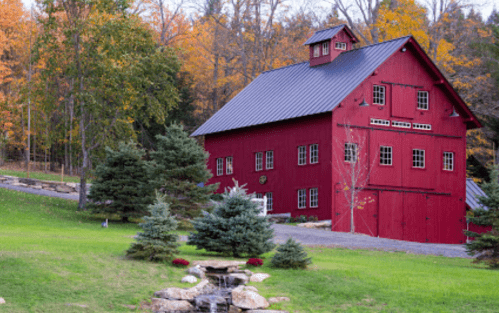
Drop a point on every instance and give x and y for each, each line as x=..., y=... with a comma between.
x=391, y=214
x=445, y=219
x=366, y=214
x=341, y=213
x=414, y=217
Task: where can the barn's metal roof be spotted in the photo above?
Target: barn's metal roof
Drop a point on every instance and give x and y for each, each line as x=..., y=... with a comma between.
x=300, y=90
x=324, y=34
x=473, y=191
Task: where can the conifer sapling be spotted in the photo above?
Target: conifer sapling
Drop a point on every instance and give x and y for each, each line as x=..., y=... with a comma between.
x=290, y=255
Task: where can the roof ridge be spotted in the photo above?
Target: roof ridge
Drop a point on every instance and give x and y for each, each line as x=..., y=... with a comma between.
x=321, y=30
x=380, y=43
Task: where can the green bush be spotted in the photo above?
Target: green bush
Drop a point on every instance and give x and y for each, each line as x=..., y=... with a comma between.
x=313, y=218
x=302, y=219
x=290, y=255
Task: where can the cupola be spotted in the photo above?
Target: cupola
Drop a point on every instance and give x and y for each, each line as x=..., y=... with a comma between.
x=325, y=45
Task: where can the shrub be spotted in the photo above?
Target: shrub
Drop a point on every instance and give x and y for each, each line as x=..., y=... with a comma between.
x=290, y=255
x=234, y=227
x=255, y=262
x=290, y=220
x=302, y=219
x=313, y=218
x=157, y=242
x=180, y=262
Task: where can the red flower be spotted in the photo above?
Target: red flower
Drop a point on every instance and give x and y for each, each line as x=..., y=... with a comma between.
x=255, y=262
x=180, y=262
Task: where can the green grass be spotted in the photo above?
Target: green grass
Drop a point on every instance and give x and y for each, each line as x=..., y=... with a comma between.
x=41, y=176
x=51, y=256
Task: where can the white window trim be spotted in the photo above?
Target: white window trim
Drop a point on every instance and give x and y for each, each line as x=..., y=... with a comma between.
x=312, y=205
x=229, y=166
x=325, y=48
x=448, y=166
x=400, y=124
x=383, y=88
x=259, y=161
x=390, y=154
x=302, y=198
x=317, y=50
x=270, y=201
x=269, y=155
x=353, y=152
x=314, y=157
x=380, y=122
x=302, y=157
x=423, y=155
x=340, y=45
x=427, y=100
x=220, y=166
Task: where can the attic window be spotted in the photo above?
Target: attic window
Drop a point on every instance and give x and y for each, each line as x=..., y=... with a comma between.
x=423, y=100
x=317, y=50
x=340, y=46
x=325, y=48
x=379, y=94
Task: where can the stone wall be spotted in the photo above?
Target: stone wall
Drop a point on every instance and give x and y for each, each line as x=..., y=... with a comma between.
x=70, y=188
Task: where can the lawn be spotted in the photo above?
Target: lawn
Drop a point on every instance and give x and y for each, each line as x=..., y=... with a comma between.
x=41, y=176
x=53, y=258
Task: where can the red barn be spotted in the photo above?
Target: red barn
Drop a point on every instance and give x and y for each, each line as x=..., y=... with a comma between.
x=293, y=131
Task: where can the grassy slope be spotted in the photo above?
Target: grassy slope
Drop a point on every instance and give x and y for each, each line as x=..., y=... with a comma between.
x=41, y=176
x=51, y=256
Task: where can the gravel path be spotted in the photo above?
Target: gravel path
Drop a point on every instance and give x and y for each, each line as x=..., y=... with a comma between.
x=318, y=237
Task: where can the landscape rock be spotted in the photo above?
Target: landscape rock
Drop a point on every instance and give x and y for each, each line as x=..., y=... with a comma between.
x=248, y=272
x=238, y=279
x=63, y=188
x=163, y=305
x=234, y=309
x=189, y=279
x=247, y=299
x=278, y=299
x=2, y=301
x=204, y=303
x=318, y=225
x=252, y=288
x=175, y=293
x=258, y=277
x=215, y=266
x=196, y=271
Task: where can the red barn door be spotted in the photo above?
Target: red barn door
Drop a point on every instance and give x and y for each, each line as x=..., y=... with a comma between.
x=415, y=217
x=445, y=219
x=366, y=214
x=391, y=215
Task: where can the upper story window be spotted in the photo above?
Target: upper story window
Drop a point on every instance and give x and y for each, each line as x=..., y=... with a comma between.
x=259, y=196
x=418, y=158
x=317, y=50
x=258, y=161
x=228, y=166
x=340, y=46
x=423, y=100
x=302, y=198
x=379, y=94
x=269, y=160
x=314, y=197
x=314, y=153
x=448, y=161
x=270, y=201
x=302, y=155
x=385, y=155
x=350, y=152
x=220, y=166
x=325, y=48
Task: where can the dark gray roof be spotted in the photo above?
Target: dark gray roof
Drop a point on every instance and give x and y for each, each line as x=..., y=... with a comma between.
x=300, y=90
x=473, y=191
x=324, y=34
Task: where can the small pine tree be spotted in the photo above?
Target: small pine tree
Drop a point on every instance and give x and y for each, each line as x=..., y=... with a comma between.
x=234, y=227
x=178, y=166
x=486, y=245
x=121, y=185
x=290, y=255
x=157, y=242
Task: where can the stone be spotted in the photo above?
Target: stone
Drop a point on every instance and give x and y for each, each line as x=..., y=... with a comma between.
x=196, y=271
x=252, y=288
x=219, y=266
x=258, y=277
x=2, y=301
x=317, y=225
x=247, y=299
x=36, y=187
x=175, y=293
x=278, y=299
x=163, y=305
x=204, y=303
x=189, y=279
x=63, y=189
x=265, y=311
x=234, y=309
x=248, y=272
x=238, y=279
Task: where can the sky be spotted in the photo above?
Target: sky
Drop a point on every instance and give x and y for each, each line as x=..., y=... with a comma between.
x=483, y=6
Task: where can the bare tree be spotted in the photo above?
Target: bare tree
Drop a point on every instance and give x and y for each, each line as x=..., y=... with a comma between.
x=367, y=10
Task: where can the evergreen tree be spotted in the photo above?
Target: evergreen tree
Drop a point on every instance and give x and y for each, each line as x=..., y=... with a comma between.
x=290, y=255
x=178, y=166
x=157, y=242
x=234, y=227
x=486, y=245
x=121, y=185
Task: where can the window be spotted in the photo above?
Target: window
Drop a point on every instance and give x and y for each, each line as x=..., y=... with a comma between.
x=340, y=45
x=259, y=161
x=448, y=161
x=259, y=196
x=377, y=121
x=270, y=201
x=314, y=153
x=417, y=158
x=385, y=155
x=302, y=198
x=314, y=197
x=220, y=166
x=317, y=50
x=379, y=95
x=401, y=124
x=302, y=155
x=423, y=100
x=228, y=166
x=269, y=160
x=325, y=48
x=421, y=126
x=350, y=152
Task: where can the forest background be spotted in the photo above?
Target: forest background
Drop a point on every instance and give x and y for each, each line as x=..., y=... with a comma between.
x=79, y=75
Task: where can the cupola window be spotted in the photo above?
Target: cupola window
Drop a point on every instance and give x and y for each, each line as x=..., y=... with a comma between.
x=325, y=48
x=317, y=51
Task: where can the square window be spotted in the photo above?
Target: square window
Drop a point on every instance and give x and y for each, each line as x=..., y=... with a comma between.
x=325, y=48
x=259, y=196
x=220, y=166
x=350, y=152
x=317, y=50
x=379, y=95
x=417, y=158
x=258, y=161
x=302, y=198
x=340, y=46
x=423, y=100
x=228, y=166
x=270, y=201
x=385, y=155
x=314, y=153
x=448, y=161
x=302, y=155
x=269, y=160
x=314, y=197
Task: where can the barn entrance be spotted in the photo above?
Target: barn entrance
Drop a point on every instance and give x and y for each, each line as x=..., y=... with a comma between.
x=365, y=213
